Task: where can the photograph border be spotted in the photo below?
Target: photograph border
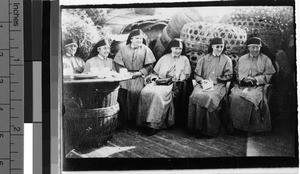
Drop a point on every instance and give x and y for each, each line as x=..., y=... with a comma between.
x=96, y=164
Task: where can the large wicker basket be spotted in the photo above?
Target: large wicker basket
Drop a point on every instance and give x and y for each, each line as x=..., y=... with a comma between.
x=260, y=22
x=91, y=95
x=179, y=19
x=86, y=128
x=197, y=36
x=97, y=15
x=91, y=111
x=194, y=56
x=268, y=33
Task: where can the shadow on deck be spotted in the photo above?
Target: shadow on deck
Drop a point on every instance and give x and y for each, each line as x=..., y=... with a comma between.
x=176, y=143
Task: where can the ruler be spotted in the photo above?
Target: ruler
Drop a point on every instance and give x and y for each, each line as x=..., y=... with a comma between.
x=11, y=87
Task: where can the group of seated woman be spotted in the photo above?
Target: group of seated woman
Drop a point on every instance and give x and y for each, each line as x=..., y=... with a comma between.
x=146, y=100
x=248, y=109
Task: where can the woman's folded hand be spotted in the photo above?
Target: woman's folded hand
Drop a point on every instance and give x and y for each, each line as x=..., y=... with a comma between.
x=203, y=81
x=79, y=69
x=137, y=74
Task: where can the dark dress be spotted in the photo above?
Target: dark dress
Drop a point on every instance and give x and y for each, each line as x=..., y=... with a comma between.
x=249, y=110
x=139, y=59
x=204, y=106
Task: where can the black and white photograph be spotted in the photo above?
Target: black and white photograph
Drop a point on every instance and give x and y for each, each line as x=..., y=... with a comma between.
x=161, y=81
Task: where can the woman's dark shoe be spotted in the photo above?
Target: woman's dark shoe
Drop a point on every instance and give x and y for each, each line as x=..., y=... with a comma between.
x=238, y=132
x=120, y=128
x=201, y=135
x=142, y=129
x=190, y=132
x=151, y=132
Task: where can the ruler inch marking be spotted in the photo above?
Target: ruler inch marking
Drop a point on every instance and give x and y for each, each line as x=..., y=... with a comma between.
x=16, y=62
x=9, y=54
x=11, y=87
x=16, y=99
x=16, y=65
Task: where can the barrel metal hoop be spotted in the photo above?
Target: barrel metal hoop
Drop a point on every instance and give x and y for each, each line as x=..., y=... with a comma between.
x=111, y=110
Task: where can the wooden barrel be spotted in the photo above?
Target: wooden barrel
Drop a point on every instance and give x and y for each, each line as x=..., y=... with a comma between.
x=91, y=112
x=91, y=95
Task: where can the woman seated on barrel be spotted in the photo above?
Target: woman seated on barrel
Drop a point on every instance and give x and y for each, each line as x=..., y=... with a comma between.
x=156, y=109
x=212, y=73
x=99, y=58
x=248, y=108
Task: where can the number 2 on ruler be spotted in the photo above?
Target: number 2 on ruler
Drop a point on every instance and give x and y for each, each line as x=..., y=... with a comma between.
x=17, y=129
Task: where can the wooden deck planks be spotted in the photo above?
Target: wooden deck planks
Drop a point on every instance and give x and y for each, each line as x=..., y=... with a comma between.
x=166, y=148
x=213, y=145
x=190, y=150
x=115, y=155
x=145, y=149
x=176, y=143
x=119, y=141
x=201, y=151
